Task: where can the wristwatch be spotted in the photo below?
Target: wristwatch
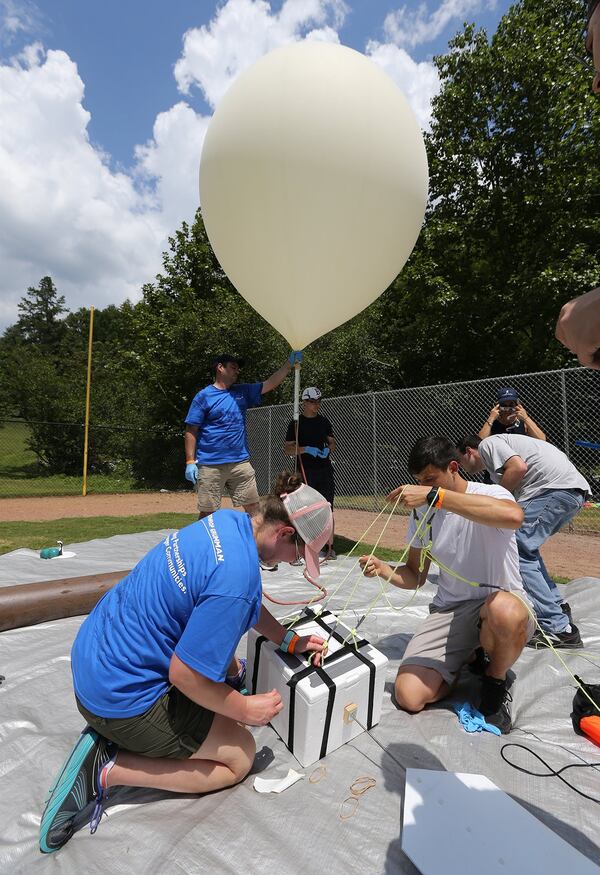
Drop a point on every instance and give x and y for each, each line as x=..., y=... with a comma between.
x=432, y=495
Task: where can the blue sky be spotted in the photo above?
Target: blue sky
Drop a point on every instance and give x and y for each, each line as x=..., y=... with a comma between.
x=104, y=106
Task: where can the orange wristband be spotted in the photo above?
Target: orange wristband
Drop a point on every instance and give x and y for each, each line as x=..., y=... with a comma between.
x=292, y=644
x=440, y=497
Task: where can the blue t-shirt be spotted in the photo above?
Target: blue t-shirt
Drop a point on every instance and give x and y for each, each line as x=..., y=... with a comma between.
x=194, y=594
x=220, y=414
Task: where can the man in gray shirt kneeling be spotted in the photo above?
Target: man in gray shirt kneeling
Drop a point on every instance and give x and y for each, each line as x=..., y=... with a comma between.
x=551, y=492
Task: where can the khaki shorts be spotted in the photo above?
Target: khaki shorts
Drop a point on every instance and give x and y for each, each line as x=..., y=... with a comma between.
x=448, y=637
x=236, y=478
x=173, y=727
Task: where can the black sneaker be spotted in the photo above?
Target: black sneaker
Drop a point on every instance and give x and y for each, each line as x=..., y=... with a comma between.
x=266, y=567
x=479, y=663
x=75, y=788
x=566, y=609
x=495, y=699
x=559, y=640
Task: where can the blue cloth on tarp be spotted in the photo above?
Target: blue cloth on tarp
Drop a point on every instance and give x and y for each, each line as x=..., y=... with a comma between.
x=471, y=720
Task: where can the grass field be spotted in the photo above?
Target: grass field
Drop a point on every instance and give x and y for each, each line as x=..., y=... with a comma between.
x=36, y=535
x=77, y=530
x=20, y=475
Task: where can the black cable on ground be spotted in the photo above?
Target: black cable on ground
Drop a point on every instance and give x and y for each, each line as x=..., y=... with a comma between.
x=551, y=773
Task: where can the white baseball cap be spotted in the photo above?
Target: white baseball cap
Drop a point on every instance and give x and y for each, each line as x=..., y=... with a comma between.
x=312, y=517
x=311, y=393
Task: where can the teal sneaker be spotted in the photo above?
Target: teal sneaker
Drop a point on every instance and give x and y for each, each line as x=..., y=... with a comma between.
x=77, y=785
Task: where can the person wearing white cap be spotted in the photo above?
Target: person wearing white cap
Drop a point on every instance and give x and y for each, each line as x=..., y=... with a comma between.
x=314, y=444
x=152, y=663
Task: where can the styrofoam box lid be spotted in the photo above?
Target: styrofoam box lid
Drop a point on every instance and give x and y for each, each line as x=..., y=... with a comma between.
x=345, y=671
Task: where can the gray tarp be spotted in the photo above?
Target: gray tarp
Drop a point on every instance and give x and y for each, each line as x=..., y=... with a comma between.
x=299, y=831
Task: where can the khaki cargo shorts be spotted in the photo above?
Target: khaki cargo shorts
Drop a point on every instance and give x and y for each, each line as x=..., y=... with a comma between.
x=237, y=479
x=174, y=727
x=448, y=637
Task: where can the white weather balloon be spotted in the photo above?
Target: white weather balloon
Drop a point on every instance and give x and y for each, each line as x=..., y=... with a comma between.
x=313, y=185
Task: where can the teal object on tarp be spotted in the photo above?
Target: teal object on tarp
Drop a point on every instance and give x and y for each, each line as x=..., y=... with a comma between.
x=51, y=552
x=472, y=720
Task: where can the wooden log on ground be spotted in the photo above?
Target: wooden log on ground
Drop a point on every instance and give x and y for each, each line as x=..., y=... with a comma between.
x=30, y=603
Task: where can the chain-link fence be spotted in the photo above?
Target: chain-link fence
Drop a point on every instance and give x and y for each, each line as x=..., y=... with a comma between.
x=374, y=432
x=46, y=458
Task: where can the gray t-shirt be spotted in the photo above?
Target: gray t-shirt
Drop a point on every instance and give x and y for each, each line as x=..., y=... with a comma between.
x=470, y=552
x=547, y=466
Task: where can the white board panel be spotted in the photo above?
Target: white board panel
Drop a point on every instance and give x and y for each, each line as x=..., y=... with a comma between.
x=460, y=824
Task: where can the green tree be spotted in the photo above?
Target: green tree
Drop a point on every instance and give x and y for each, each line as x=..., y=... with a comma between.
x=44, y=363
x=512, y=230
x=190, y=313
x=40, y=310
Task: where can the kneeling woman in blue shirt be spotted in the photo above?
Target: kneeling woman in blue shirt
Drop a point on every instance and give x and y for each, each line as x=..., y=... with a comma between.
x=154, y=670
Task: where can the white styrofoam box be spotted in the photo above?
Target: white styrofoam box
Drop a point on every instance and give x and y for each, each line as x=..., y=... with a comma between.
x=311, y=722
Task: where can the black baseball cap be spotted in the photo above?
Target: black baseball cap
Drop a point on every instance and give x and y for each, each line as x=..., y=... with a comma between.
x=225, y=358
x=507, y=393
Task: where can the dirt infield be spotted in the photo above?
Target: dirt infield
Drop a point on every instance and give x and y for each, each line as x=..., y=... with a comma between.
x=566, y=555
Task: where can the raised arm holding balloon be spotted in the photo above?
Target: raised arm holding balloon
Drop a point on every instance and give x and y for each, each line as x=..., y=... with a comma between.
x=216, y=446
x=294, y=358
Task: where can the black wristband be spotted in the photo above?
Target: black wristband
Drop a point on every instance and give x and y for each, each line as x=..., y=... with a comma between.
x=432, y=495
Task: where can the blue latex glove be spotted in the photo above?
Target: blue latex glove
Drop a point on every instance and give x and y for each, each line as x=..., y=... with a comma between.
x=191, y=472
x=324, y=453
x=295, y=356
x=312, y=451
x=471, y=720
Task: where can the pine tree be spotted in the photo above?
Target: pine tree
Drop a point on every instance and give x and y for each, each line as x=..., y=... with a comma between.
x=39, y=315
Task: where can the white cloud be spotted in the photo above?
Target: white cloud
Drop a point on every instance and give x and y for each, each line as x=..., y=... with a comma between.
x=419, y=81
x=411, y=27
x=169, y=163
x=22, y=17
x=98, y=232
x=63, y=212
x=242, y=31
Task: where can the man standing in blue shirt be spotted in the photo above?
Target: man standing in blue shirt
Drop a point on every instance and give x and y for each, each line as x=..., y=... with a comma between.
x=216, y=446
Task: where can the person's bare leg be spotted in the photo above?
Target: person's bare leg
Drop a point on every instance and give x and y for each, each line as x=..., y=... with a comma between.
x=224, y=758
x=503, y=633
x=417, y=686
